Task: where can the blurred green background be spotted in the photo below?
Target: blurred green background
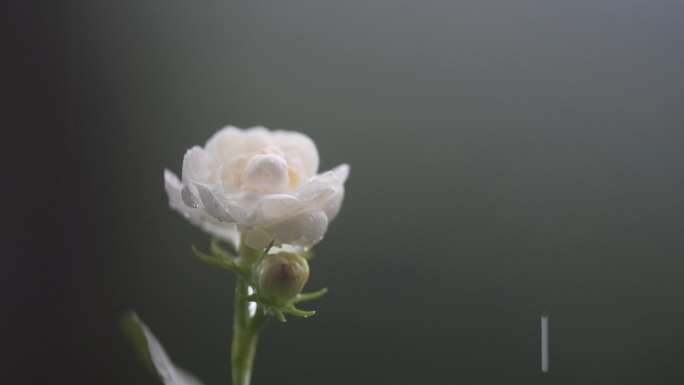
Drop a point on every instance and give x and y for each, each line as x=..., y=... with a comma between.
x=507, y=158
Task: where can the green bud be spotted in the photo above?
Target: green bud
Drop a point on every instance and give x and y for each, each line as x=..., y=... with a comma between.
x=280, y=277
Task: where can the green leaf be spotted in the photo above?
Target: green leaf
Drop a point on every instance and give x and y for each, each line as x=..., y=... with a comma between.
x=153, y=353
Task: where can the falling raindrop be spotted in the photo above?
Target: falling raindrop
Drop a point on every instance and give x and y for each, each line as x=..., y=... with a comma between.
x=545, y=342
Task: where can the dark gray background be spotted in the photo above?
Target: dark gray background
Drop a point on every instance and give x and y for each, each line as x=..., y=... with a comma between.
x=507, y=157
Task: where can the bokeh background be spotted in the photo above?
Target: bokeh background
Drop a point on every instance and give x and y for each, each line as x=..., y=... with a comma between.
x=507, y=158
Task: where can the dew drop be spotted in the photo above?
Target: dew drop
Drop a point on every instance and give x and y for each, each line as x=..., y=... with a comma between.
x=187, y=197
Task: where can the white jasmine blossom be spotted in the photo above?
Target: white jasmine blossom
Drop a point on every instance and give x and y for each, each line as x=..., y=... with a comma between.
x=259, y=183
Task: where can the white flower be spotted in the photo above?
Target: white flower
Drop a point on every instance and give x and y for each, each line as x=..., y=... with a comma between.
x=260, y=183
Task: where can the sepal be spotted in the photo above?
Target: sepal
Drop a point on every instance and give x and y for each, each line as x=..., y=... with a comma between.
x=225, y=261
x=288, y=307
x=276, y=279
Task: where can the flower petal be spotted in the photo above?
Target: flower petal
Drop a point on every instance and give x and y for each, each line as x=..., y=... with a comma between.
x=341, y=172
x=257, y=238
x=211, y=205
x=200, y=166
x=225, y=231
x=299, y=147
x=276, y=206
x=324, y=188
x=304, y=229
x=334, y=204
x=266, y=172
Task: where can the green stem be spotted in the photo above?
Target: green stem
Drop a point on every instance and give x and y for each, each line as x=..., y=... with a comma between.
x=245, y=333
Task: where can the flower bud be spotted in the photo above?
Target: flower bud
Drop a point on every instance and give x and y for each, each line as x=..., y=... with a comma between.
x=280, y=277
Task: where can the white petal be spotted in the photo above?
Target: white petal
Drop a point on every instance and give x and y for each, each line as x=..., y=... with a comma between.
x=200, y=166
x=320, y=190
x=266, y=172
x=276, y=206
x=334, y=204
x=241, y=205
x=257, y=238
x=254, y=139
x=231, y=142
x=188, y=198
x=299, y=147
x=304, y=229
x=225, y=143
x=225, y=231
x=211, y=205
x=225, y=136
x=314, y=192
x=341, y=172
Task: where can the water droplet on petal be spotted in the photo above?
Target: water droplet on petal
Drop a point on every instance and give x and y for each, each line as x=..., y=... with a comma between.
x=187, y=197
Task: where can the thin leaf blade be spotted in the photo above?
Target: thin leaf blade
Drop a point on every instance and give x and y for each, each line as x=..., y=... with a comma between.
x=153, y=353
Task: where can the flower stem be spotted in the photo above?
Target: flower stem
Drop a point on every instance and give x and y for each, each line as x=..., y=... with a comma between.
x=245, y=333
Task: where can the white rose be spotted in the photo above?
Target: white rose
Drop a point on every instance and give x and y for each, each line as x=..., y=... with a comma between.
x=260, y=183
